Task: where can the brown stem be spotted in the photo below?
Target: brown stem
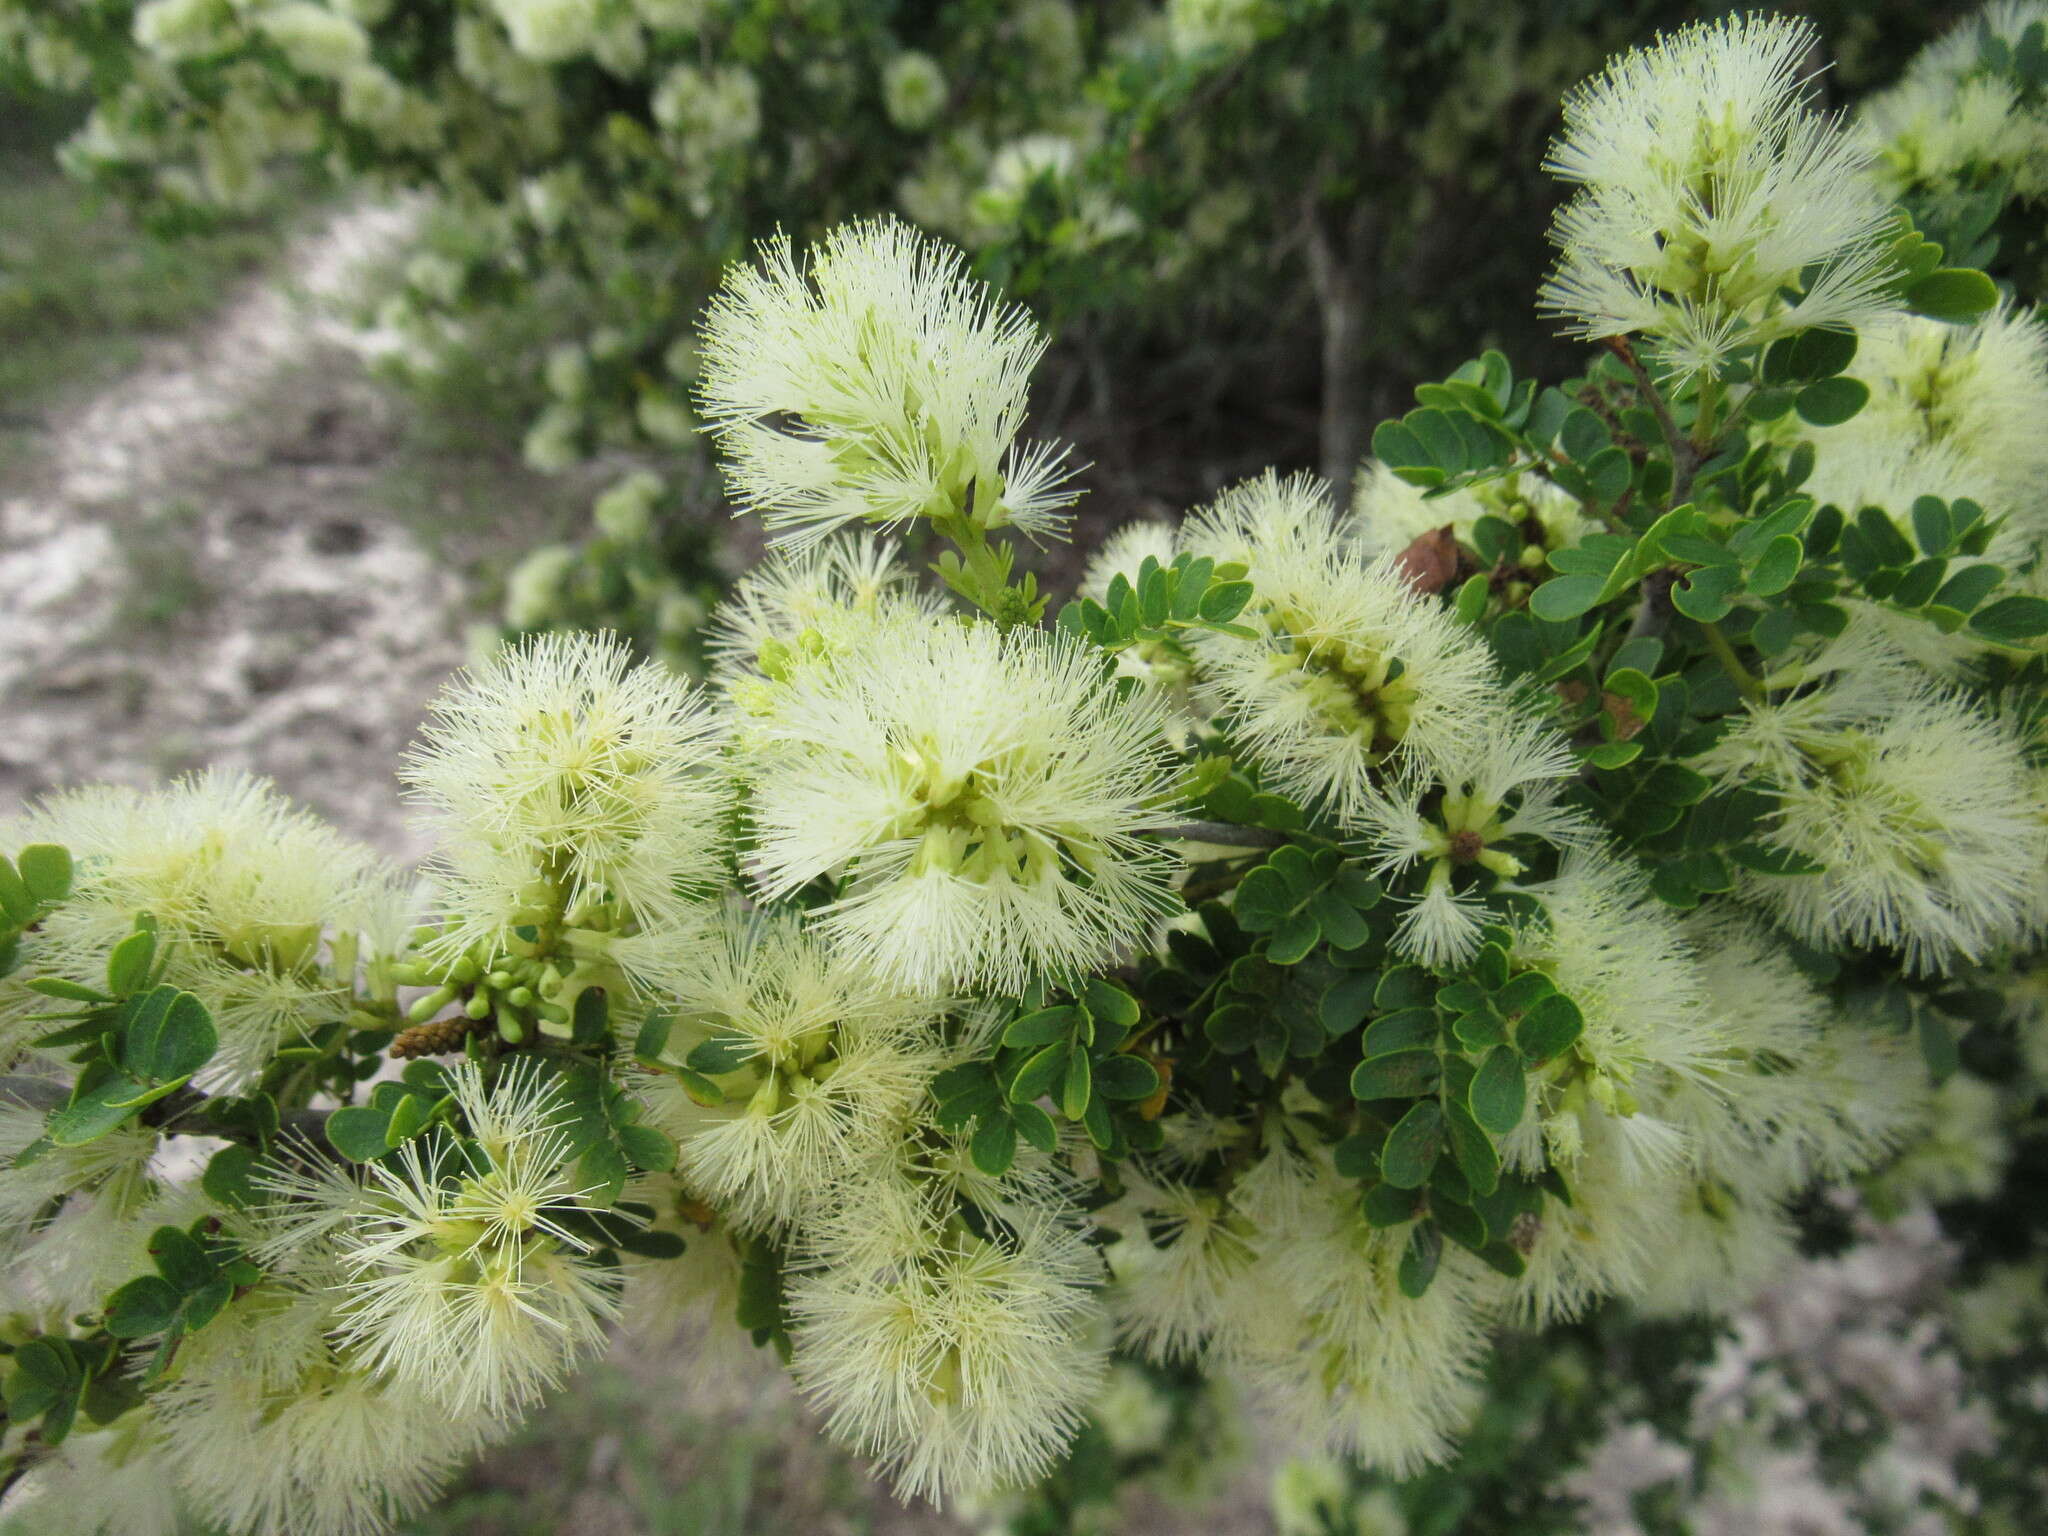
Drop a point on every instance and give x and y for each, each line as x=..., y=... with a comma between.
x=1340, y=267
x=1685, y=456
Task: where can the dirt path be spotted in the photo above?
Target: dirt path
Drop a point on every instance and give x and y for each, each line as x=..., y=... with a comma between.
x=196, y=568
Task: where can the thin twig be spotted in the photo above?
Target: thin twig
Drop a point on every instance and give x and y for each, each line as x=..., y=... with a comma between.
x=1685, y=457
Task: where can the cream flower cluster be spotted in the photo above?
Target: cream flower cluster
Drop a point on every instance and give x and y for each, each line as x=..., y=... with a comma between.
x=1708, y=187
x=875, y=384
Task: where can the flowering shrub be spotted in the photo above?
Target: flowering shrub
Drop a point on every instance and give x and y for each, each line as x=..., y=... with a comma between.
x=1342, y=937
x=599, y=162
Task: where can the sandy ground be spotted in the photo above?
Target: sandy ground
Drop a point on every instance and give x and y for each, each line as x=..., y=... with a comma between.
x=195, y=567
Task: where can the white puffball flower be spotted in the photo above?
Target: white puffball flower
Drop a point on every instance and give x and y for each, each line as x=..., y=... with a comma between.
x=116, y=1164
x=821, y=1064
x=1952, y=413
x=315, y=40
x=275, y=1428
x=1221, y=26
x=1947, y=135
x=112, y=1481
x=550, y=31
x=625, y=511
x=913, y=90
x=1502, y=790
x=1179, y=1264
x=1621, y=957
x=1613, y=1236
x=803, y=604
x=1778, y=1108
x=559, y=775
x=464, y=1282
x=711, y=111
x=1707, y=186
x=1341, y=1355
x=249, y=894
x=1963, y=1152
x=1920, y=810
x=173, y=30
x=1957, y=54
x=875, y=382
x=980, y=798
x=537, y=585
x=964, y=1364
x=1349, y=676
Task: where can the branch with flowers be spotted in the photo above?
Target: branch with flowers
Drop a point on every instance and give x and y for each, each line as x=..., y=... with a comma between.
x=1338, y=937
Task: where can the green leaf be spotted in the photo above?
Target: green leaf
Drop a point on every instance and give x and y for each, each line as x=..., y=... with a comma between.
x=604, y=1170
x=1405, y=986
x=1498, y=1091
x=1293, y=937
x=1471, y=1148
x=1110, y=1002
x=1347, y=1001
x=590, y=1018
x=1386, y=1206
x=180, y=1259
x=1125, y=1076
x=1036, y=1127
x=1480, y=1028
x=408, y=1118
x=1407, y=1030
x=1262, y=899
x=1830, y=402
x=106, y=1106
x=652, y=1245
x=1078, y=1086
x=1612, y=754
x=1938, y=1046
x=1460, y=1223
x=1341, y=925
x=1776, y=567
x=653, y=1036
x=1566, y=597
x=1036, y=1077
x=129, y=961
x=1931, y=524
x=1583, y=434
x=720, y=1054
x=1225, y=601
x=227, y=1179
x=71, y=992
x=1820, y=354
x=2012, y=619
x=1413, y=1146
x=1549, y=1029
x=16, y=903
x=1704, y=594
x=46, y=871
x=1954, y=294
x=167, y=1034
x=143, y=1306
x=994, y=1147
x=1398, y=1075
x=1042, y=1027
x=1419, y=1260
x=356, y=1131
